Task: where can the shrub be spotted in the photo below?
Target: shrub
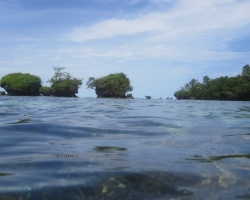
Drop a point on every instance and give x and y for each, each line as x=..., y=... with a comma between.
x=18, y=84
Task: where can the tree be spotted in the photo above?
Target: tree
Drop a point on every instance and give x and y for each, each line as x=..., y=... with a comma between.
x=91, y=83
x=113, y=85
x=182, y=94
x=206, y=80
x=246, y=70
x=192, y=86
x=63, y=84
x=189, y=90
x=19, y=84
x=222, y=88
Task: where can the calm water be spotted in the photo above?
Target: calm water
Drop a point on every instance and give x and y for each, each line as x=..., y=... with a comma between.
x=89, y=148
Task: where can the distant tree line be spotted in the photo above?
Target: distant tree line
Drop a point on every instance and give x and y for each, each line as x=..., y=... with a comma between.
x=222, y=88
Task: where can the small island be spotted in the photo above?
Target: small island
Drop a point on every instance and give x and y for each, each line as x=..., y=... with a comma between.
x=18, y=84
x=118, y=85
x=111, y=86
x=222, y=88
x=62, y=84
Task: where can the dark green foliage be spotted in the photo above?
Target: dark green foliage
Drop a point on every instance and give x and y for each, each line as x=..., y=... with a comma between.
x=18, y=84
x=182, y=94
x=222, y=88
x=113, y=85
x=192, y=86
x=45, y=91
x=63, y=84
x=246, y=70
x=189, y=91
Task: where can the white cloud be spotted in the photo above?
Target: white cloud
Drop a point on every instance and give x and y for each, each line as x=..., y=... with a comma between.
x=184, y=18
x=161, y=46
x=189, y=30
x=114, y=27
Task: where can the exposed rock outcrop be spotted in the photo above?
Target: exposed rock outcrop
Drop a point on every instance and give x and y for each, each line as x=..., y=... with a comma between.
x=129, y=96
x=2, y=93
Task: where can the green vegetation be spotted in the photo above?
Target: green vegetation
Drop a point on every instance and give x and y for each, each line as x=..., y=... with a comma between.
x=18, y=84
x=113, y=85
x=45, y=91
x=222, y=88
x=246, y=70
x=62, y=84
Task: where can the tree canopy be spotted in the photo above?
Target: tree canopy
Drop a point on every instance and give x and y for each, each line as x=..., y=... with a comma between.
x=113, y=85
x=62, y=84
x=246, y=70
x=21, y=84
x=222, y=88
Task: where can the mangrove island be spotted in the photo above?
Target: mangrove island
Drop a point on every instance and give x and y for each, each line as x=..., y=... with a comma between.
x=222, y=88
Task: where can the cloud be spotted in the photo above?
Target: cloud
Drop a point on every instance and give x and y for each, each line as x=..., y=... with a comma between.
x=159, y=40
x=199, y=30
x=184, y=16
x=115, y=27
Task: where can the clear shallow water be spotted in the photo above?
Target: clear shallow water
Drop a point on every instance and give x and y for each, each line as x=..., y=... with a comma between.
x=89, y=148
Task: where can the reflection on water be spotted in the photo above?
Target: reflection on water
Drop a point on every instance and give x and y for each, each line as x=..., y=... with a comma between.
x=72, y=148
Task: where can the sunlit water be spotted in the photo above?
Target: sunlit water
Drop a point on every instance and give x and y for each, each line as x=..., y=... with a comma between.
x=89, y=148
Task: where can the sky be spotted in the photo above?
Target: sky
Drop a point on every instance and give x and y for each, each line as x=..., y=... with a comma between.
x=159, y=44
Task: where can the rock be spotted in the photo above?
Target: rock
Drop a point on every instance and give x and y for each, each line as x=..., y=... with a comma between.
x=130, y=96
x=2, y=93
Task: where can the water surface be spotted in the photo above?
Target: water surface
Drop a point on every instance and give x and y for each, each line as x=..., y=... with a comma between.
x=89, y=148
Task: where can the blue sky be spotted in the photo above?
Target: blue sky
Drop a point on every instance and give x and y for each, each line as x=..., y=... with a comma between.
x=159, y=44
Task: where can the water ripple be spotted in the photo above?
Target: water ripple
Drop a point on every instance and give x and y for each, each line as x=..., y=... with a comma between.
x=89, y=148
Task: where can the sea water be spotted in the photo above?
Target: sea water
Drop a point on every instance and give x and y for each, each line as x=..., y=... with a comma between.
x=90, y=148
